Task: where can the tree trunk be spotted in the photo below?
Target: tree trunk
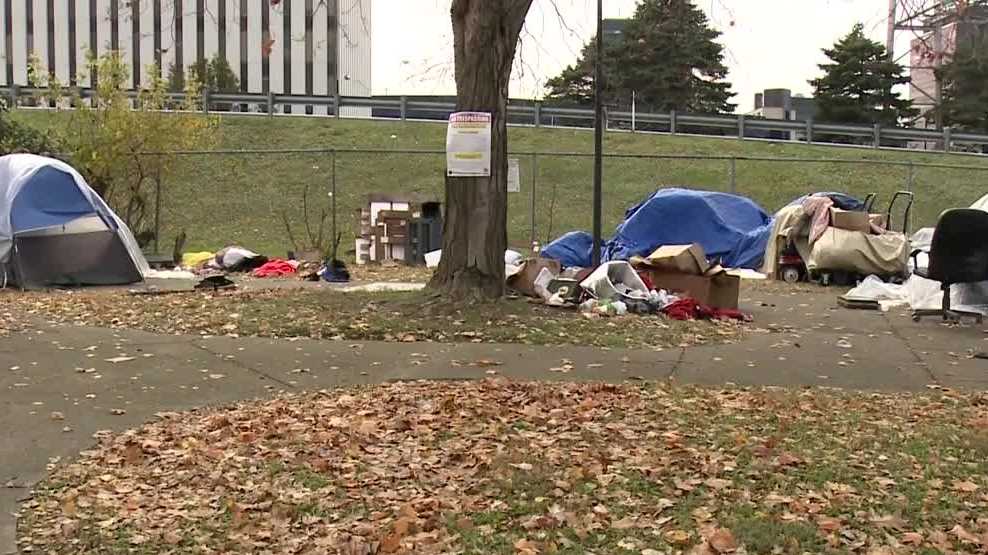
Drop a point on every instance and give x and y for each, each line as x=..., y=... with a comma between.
x=485, y=34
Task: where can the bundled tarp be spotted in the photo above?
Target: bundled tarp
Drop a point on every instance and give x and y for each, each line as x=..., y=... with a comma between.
x=572, y=249
x=728, y=227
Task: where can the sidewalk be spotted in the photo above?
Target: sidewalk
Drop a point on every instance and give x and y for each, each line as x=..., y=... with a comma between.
x=805, y=340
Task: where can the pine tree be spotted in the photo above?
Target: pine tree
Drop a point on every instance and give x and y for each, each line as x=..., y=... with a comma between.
x=667, y=57
x=965, y=88
x=857, y=86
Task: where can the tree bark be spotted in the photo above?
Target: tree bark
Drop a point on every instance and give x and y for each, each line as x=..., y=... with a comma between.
x=485, y=36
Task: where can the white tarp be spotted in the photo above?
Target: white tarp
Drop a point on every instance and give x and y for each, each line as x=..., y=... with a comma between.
x=922, y=294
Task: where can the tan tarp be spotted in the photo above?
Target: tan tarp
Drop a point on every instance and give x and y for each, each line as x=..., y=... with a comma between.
x=789, y=222
x=853, y=251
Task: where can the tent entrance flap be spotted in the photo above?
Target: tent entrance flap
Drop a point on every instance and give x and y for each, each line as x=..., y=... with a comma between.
x=98, y=258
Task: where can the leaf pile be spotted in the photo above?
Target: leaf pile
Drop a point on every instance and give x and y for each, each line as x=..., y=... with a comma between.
x=505, y=467
x=398, y=317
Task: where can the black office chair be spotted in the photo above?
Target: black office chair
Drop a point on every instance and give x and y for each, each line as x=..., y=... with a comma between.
x=958, y=254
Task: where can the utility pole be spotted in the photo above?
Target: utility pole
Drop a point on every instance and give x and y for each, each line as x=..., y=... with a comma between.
x=890, y=35
x=598, y=135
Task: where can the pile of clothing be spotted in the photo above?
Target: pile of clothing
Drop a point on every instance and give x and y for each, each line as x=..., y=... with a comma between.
x=234, y=259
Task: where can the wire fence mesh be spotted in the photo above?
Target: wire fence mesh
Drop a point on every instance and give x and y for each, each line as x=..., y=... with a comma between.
x=246, y=197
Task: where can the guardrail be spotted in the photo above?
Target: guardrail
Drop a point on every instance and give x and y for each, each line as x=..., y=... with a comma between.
x=539, y=115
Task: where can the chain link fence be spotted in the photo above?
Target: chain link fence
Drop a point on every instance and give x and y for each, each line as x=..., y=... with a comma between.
x=220, y=198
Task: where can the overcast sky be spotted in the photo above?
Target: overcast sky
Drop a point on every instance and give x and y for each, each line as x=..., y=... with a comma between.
x=768, y=43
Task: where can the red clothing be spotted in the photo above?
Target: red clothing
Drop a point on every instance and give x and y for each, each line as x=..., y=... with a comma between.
x=689, y=309
x=275, y=268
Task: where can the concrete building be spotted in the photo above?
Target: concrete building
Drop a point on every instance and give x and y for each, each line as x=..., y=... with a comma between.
x=305, y=47
x=782, y=104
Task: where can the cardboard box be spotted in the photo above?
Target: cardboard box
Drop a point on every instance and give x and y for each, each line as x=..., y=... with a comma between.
x=719, y=291
x=685, y=259
x=851, y=221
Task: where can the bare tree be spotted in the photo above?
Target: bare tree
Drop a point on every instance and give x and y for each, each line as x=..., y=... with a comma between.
x=485, y=38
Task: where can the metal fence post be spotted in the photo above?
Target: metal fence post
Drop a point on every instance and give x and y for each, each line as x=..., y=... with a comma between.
x=538, y=113
x=332, y=194
x=535, y=165
x=337, y=103
x=947, y=140
x=878, y=135
x=733, y=175
x=157, y=210
x=15, y=92
x=809, y=131
x=205, y=100
x=270, y=103
x=404, y=107
x=912, y=177
x=672, y=122
x=741, y=126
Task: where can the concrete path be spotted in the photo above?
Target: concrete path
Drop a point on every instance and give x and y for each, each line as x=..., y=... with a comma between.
x=802, y=339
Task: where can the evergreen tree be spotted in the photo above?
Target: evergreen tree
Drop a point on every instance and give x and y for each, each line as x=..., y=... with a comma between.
x=857, y=85
x=667, y=57
x=965, y=88
x=215, y=75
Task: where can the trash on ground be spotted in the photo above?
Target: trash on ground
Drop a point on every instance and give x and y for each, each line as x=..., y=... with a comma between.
x=685, y=269
x=169, y=274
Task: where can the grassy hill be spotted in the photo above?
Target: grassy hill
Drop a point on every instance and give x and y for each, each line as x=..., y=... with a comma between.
x=221, y=199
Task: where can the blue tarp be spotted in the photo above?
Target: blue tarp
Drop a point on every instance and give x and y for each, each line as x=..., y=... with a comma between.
x=728, y=227
x=572, y=249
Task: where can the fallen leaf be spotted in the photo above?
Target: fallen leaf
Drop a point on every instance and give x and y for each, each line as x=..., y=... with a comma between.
x=717, y=483
x=133, y=453
x=676, y=536
x=624, y=524
x=964, y=535
x=888, y=521
x=966, y=487
x=912, y=538
x=828, y=524
x=486, y=362
x=391, y=543
x=117, y=412
x=526, y=547
x=116, y=360
x=57, y=416
x=723, y=541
